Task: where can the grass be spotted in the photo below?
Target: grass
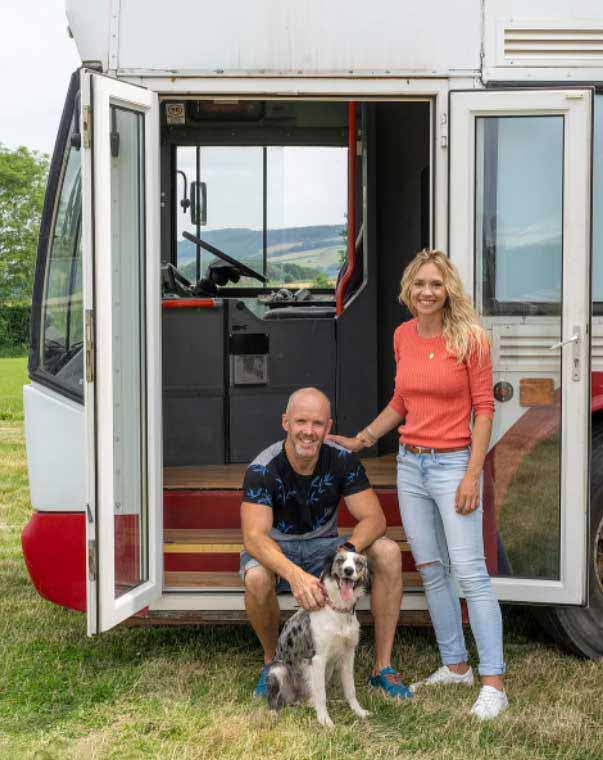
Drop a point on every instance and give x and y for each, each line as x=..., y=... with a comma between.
x=186, y=692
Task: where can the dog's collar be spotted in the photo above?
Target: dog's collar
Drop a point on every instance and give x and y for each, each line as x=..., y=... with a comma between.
x=342, y=610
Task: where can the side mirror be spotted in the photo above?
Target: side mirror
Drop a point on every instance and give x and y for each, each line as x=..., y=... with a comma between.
x=198, y=193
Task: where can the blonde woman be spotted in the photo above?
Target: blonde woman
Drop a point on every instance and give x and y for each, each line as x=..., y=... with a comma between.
x=443, y=378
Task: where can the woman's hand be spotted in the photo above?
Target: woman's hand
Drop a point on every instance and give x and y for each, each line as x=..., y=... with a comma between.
x=352, y=444
x=467, y=494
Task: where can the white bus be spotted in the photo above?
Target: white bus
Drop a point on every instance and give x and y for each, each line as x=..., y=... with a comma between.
x=234, y=193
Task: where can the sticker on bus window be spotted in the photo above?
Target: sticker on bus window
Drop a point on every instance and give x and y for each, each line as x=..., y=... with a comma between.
x=175, y=113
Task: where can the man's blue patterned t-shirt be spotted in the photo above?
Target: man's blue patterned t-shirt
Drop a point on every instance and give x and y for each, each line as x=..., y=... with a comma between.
x=303, y=505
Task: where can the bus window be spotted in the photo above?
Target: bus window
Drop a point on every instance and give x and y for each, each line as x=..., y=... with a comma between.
x=519, y=167
x=279, y=209
x=61, y=339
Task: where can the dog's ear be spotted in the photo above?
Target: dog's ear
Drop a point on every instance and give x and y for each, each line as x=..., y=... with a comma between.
x=326, y=570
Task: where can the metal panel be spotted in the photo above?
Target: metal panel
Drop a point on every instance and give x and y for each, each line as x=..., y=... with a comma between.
x=521, y=36
x=300, y=37
x=193, y=386
x=301, y=353
x=56, y=444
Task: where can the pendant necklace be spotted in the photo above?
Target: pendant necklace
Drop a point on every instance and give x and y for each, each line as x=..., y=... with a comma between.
x=431, y=355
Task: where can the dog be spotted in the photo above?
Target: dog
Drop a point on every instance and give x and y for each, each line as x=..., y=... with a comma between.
x=313, y=644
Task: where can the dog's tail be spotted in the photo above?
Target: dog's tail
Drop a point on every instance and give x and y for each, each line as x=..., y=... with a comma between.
x=281, y=691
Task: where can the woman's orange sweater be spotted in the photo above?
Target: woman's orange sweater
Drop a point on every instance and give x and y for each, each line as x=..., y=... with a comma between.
x=434, y=393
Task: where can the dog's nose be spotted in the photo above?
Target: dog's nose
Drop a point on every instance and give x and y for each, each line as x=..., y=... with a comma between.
x=348, y=571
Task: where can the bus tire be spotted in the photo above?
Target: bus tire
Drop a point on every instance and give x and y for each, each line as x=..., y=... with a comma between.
x=580, y=629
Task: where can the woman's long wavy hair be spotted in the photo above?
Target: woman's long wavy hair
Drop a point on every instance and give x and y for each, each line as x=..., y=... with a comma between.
x=462, y=330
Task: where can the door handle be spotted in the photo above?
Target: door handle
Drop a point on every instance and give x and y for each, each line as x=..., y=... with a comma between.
x=576, y=339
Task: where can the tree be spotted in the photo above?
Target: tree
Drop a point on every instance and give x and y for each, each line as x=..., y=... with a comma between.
x=22, y=185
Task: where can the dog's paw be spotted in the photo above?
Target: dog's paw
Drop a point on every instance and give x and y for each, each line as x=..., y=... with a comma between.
x=361, y=712
x=325, y=721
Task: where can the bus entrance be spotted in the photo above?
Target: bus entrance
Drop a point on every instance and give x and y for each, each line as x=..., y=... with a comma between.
x=519, y=233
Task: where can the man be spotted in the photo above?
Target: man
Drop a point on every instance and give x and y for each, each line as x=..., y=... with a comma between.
x=291, y=494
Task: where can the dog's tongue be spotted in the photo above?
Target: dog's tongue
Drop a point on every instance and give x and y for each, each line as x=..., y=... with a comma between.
x=346, y=589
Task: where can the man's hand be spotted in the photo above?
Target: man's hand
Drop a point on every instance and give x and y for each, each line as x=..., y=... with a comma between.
x=467, y=495
x=307, y=590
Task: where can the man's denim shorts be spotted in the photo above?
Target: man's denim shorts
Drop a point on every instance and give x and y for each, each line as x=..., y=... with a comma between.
x=310, y=554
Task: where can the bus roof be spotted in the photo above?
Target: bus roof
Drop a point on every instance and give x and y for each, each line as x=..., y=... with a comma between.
x=501, y=40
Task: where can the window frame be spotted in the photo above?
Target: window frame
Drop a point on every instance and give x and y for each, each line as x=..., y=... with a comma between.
x=485, y=292
x=54, y=186
x=310, y=137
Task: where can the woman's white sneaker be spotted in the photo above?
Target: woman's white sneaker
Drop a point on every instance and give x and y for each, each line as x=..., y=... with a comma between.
x=490, y=703
x=445, y=676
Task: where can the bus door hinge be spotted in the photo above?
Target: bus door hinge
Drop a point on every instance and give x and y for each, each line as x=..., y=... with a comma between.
x=86, y=121
x=89, y=326
x=444, y=130
x=114, y=135
x=92, y=560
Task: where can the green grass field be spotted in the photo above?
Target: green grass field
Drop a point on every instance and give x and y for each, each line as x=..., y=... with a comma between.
x=186, y=692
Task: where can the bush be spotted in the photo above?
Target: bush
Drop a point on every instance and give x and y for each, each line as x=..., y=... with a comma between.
x=14, y=328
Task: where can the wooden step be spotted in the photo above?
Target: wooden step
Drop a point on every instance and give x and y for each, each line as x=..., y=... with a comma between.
x=381, y=472
x=208, y=580
x=230, y=540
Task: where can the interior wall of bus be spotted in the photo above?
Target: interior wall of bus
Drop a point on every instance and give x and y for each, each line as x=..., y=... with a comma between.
x=209, y=420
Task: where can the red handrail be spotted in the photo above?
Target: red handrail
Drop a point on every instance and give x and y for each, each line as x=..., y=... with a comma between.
x=190, y=303
x=351, y=265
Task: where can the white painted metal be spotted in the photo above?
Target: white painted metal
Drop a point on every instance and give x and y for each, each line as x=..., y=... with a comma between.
x=55, y=441
x=234, y=600
x=294, y=37
x=305, y=38
x=514, y=55
x=576, y=107
x=90, y=23
x=99, y=399
x=89, y=363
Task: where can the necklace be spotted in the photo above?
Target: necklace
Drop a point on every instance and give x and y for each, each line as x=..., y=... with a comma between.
x=431, y=354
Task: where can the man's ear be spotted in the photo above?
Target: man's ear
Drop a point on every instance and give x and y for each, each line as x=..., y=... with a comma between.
x=285, y=423
x=329, y=426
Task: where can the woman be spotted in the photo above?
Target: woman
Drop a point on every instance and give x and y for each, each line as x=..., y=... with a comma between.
x=443, y=374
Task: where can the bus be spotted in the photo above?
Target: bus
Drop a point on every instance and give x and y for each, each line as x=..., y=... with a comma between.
x=234, y=193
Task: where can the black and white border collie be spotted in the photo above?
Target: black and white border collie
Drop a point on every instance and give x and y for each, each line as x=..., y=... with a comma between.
x=313, y=644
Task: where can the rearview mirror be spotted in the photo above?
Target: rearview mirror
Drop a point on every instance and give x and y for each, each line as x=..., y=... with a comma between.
x=198, y=203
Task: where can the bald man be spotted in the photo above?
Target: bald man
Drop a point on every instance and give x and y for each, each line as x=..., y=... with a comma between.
x=291, y=495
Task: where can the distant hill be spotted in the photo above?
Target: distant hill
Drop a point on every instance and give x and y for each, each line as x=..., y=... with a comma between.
x=314, y=247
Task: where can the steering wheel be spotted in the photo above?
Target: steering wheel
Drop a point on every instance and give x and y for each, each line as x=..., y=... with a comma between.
x=243, y=269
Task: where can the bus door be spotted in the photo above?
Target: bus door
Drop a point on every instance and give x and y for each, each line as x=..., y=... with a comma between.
x=121, y=206
x=520, y=206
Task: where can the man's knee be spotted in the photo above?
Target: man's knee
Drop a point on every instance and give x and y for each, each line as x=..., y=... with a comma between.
x=384, y=555
x=260, y=584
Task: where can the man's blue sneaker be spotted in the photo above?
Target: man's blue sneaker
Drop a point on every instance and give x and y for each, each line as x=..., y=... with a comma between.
x=261, y=690
x=389, y=682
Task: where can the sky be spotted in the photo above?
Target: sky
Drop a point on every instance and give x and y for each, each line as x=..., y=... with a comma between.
x=305, y=186
x=37, y=58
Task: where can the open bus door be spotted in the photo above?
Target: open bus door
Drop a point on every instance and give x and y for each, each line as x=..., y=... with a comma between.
x=520, y=168
x=120, y=141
